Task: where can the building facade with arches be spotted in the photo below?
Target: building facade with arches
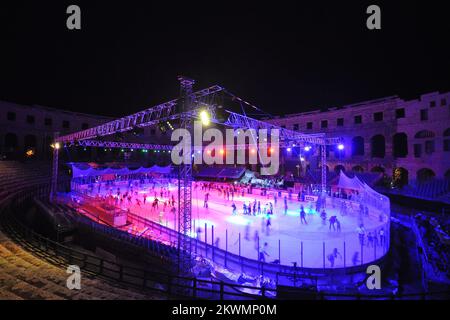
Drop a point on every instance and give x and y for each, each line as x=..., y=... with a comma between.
x=410, y=138
x=24, y=128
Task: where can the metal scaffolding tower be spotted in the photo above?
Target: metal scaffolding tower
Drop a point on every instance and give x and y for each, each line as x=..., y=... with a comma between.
x=185, y=180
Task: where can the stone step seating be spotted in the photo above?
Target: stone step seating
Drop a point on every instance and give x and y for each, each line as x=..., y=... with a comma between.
x=24, y=276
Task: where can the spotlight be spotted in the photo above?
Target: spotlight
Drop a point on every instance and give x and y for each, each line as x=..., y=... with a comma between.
x=253, y=151
x=56, y=145
x=204, y=117
x=302, y=159
x=122, y=150
x=340, y=146
x=307, y=148
x=222, y=151
x=288, y=149
x=169, y=125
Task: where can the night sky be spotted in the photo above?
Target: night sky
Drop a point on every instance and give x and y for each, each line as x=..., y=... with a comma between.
x=282, y=57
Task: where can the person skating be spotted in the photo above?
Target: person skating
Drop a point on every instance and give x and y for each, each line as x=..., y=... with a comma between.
x=302, y=215
x=234, y=209
x=370, y=239
x=332, y=221
x=338, y=225
x=361, y=234
x=263, y=252
x=247, y=231
x=285, y=206
x=323, y=216
x=382, y=238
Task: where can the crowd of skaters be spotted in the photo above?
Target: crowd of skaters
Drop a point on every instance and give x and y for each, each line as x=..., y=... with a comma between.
x=163, y=200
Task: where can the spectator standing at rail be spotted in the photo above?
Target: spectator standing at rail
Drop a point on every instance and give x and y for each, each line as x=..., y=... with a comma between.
x=259, y=207
x=234, y=209
x=338, y=225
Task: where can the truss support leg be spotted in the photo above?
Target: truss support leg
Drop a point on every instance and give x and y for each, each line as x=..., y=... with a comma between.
x=323, y=164
x=54, y=181
x=185, y=183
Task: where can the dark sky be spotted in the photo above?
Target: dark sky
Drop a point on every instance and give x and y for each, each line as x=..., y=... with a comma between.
x=283, y=57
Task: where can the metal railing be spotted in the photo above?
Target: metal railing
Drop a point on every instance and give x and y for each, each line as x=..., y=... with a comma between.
x=171, y=285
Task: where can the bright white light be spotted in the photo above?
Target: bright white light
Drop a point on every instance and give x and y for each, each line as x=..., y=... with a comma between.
x=302, y=159
x=288, y=149
x=340, y=146
x=204, y=117
x=307, y=148
x=57, y=145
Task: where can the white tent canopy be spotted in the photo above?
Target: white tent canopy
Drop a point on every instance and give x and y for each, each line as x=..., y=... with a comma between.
x=349, y=183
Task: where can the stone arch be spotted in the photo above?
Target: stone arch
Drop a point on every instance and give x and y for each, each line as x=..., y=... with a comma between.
x=425, y=174
x=338, y=168
x=11, y=142
x=400, y=145
x=358, y=146
x=29, y=142
x=378, y=146
x=358, y=168
x=378, y=169
x=447, y=174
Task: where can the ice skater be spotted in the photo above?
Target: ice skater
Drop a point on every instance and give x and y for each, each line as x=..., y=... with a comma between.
x=332, y=221
x=382, y=238
x=263, y=252
x=355, y=258
x=323, y=216
x=234, y=209
x=370, y=239
x=256, y=239
x=268, y=224
x=302, y=215
x=285, y=206
x=247, y=231
x=361, y=233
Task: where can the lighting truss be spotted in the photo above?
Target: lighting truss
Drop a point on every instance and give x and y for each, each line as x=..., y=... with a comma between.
x=122, y=145
x=236, y=120
x=165, y=111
